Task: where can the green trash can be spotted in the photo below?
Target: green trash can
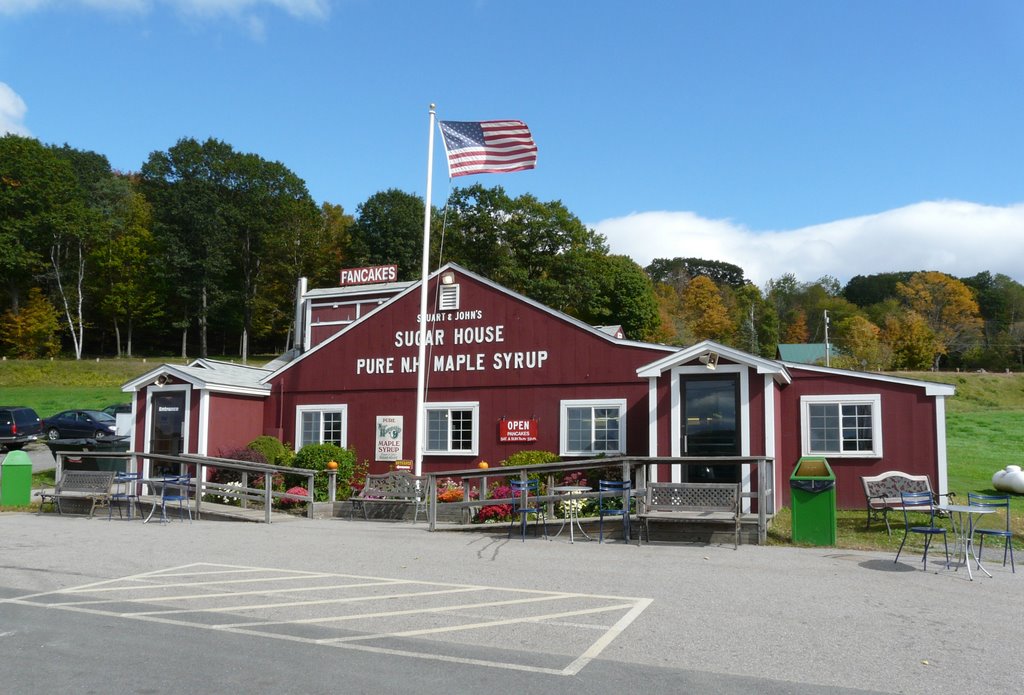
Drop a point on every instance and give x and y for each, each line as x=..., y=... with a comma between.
x=16, y=480
x=812, y=490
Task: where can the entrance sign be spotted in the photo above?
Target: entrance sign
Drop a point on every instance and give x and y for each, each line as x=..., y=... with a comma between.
x=389, y=438
x=517, y=431
x=365, y=276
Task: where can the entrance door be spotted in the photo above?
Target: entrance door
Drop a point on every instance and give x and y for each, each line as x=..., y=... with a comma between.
x=168, y=429
x=711, y=425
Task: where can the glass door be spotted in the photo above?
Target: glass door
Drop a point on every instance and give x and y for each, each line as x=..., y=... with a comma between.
x=168, y=429
x=710, y=425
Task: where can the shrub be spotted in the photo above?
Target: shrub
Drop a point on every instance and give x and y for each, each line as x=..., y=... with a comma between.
x=314, y=457
x=496, y=512
x=530, y=458
x=227, y=475
x=274, y=452
x=291, y=501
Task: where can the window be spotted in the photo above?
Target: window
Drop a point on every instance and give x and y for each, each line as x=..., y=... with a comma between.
x=452, y=428
x=593, y=427
x=842, y=425
x=320, y=424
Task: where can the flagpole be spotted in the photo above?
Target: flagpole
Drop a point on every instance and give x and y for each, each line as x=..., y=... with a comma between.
x=421, y=365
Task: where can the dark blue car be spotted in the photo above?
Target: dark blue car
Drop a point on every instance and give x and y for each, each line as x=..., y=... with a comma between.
x=80, y=424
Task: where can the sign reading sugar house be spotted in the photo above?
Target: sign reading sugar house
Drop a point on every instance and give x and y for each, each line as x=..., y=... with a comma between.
x=364, y=276
x=476, y=348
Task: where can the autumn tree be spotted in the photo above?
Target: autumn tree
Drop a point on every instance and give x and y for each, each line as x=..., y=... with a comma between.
x=31, y=331
x=704, y=312
x=947, y=307
x=911, y=339
x=671, y=329
x=861, y=344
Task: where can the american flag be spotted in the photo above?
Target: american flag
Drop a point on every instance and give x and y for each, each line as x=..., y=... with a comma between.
x=488, y=147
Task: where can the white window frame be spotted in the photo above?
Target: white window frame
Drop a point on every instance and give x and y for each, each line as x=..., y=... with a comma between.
x=473, y=407
x=872, y=399
x=321, y=408
x=563, y=436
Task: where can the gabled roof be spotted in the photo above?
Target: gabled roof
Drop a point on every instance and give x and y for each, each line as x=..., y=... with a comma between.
x=212, y=375
x=414, y=287
x=346, y=291
x=693, y=352
x=931, y=388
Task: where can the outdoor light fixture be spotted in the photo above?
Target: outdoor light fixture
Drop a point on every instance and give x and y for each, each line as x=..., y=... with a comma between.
x=162, y=380
x=448, y=278
x=709, y=359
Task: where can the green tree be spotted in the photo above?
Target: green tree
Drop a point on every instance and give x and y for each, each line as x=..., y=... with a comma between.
x=266, y=201
x=865, y=290
x=756, y=327
x=538, y=249
x=684, y=269
x=75, y=234
x=37, y=198
x=124, y=262
x=312, y=244
x=631, y=301
x=389, y=230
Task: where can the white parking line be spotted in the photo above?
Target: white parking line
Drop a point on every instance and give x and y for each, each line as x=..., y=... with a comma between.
x=431, y=604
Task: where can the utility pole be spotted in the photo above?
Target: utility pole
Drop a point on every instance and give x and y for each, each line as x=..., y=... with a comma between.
x=826, y=340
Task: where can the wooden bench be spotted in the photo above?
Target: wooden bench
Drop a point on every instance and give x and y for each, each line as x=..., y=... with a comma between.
x=692, y=503
x=396, y=489
x=86, y=488
x=882, y=493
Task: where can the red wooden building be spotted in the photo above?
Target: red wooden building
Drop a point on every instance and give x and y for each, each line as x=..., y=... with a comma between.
x=506, y=374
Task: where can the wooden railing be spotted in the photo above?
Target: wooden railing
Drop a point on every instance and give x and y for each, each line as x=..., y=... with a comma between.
x=244, y=493
x=633, y=468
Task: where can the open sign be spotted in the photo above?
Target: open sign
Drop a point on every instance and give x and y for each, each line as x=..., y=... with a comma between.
x=517, y=431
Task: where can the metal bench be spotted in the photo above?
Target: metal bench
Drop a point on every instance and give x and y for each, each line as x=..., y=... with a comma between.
x=86, y=488
x=692, y=503
x=882, y=493
x=395, y=490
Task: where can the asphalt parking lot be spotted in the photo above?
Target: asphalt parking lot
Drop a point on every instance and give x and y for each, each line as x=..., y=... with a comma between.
x=338, y=605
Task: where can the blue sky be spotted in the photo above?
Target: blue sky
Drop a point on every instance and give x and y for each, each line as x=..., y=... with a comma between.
x=815, y=137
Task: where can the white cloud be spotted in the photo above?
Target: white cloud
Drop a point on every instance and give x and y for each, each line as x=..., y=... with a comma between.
x=12, y=111
x=955, y=237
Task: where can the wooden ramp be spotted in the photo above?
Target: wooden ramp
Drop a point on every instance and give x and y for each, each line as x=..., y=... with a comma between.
x=211, y=511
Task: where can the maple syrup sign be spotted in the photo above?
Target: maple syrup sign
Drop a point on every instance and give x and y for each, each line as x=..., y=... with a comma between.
x=476, y=348
x=517, y=431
